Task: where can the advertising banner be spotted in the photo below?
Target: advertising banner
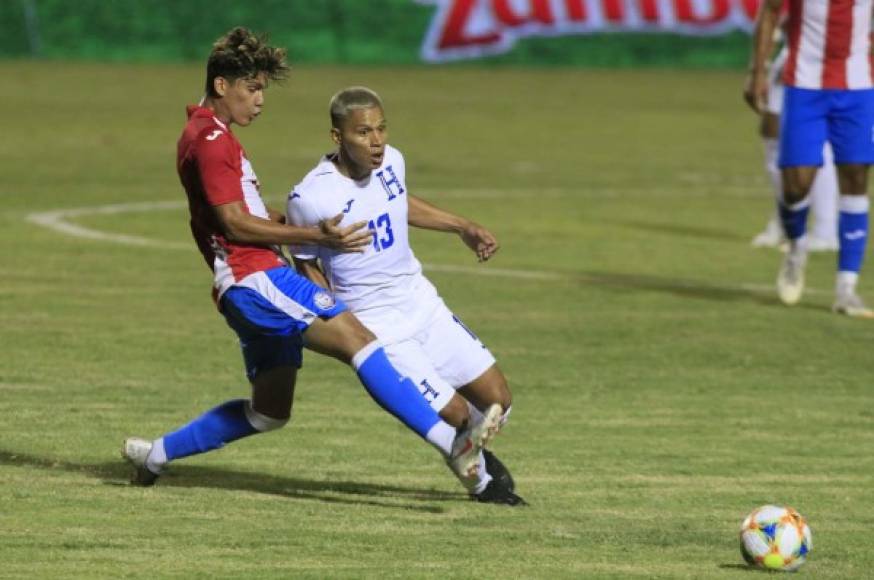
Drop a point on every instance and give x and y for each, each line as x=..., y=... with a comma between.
x=466, y=29
x=601, y=33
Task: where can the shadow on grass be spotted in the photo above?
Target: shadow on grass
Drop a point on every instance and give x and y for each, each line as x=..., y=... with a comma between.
x=747, y=568
x=678, y=287
x=687, y=231
x=195, y=476
x=686, y=288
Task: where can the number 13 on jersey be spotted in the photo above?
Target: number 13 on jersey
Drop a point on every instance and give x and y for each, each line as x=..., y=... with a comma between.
x=383, y=237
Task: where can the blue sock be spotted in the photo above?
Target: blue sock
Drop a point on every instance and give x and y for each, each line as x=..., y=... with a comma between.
x=212, y=430
x=396, y=394
x=853, y=232
x=794, y=218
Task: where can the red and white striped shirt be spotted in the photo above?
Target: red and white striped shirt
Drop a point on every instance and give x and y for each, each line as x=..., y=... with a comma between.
x=214, y=170
x=829, y=44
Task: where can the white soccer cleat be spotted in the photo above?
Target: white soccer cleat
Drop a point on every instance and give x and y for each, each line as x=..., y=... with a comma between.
x=790, y=279
x=768, y=239
x=822, y=244
x=464, y=459
x=851, y=304
x=136, y=451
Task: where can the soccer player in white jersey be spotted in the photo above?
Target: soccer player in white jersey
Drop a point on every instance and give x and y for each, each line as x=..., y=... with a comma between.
x=272, y=309
x=824, y=190
x=365, y=179
x=828, y=97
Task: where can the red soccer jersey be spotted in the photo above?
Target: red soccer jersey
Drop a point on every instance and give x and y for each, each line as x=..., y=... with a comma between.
x=214, y=170
x=829, y=44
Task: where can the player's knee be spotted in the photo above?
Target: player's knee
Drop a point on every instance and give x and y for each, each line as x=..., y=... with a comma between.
x=770, y=126
x=500, y=389
x=506, y=398
x=263, y=422
x=853, y=178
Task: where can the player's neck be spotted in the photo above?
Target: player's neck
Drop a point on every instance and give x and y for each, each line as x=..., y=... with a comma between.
x=348, y=168
x=214, y=105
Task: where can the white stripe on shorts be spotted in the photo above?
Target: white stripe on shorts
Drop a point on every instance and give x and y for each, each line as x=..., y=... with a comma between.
x=263, y=285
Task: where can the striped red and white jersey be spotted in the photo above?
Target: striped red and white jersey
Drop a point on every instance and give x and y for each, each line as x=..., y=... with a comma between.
x=214, y=170
x=829, y=44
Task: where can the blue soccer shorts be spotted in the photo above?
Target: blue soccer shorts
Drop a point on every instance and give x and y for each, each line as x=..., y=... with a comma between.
x=270, y=311
x=844, y=118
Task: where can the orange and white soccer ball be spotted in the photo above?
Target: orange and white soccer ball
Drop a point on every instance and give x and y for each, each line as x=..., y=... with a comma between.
x=776, y=538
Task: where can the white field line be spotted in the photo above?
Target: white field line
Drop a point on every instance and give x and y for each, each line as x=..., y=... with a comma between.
x=58, y=220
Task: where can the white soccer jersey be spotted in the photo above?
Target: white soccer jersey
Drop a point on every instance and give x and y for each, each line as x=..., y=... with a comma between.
x=379, y=284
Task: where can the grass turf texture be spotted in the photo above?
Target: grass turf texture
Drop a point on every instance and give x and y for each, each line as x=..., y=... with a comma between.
x=660, y=390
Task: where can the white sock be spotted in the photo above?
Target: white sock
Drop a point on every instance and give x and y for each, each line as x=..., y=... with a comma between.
x=475, y=414
x=482, y=476
x=846, y=282
x=441, y=436
x=798, y=247
x=157, y=458
x=824, y=200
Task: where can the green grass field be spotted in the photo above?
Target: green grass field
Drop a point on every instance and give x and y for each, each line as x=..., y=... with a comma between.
x=661, y=392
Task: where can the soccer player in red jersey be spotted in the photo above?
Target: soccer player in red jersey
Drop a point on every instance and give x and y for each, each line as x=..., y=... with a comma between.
x=829, y=97
x=273, y=310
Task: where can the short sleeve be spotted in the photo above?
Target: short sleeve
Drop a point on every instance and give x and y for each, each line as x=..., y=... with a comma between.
x=401, y=169
x=219, y=166
x=302, y=213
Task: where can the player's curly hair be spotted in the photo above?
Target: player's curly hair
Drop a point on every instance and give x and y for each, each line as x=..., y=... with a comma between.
x=243, y=54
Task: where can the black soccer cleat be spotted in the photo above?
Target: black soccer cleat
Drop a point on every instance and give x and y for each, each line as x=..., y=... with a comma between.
x=497, y=493
x=498, y=471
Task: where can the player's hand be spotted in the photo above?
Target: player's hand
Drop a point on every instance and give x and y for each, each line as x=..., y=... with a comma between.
x=756, y=90
x=350, y=239
x=480, y=240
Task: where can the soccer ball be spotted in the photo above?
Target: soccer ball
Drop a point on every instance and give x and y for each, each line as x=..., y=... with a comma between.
x=776, y=538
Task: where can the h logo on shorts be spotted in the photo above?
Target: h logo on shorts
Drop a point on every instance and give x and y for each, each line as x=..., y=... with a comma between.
x=388, y=183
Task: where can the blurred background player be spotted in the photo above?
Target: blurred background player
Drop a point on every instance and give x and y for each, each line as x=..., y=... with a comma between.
x=272, y=309
x=828, y=97
x=365, y=179
x=824, y=190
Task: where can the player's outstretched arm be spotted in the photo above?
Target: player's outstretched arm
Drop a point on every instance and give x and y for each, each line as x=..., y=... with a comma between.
x=430, y=217
x=756, y=86
x=239, y=226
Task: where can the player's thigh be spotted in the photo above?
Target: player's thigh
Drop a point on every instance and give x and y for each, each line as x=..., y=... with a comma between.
x=851, y=130
x=456, y=352
x=803, y=127
x=269, y=311
x=340, y=336
x=411, y=360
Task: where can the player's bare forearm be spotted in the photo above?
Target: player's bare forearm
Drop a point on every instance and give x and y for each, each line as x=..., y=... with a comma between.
x=241, y=227
x=479, y=239
x=756, y=87
x=310, y=269
x=422, y=214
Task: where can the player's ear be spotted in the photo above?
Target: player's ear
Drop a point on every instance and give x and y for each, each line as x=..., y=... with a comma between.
x=336, y=136
x=220, y=86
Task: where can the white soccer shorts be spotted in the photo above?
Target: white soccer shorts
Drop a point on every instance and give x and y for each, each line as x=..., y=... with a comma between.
x=443, y=357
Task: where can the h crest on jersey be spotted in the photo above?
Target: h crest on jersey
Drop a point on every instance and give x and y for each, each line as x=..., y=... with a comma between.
x=392, y=182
